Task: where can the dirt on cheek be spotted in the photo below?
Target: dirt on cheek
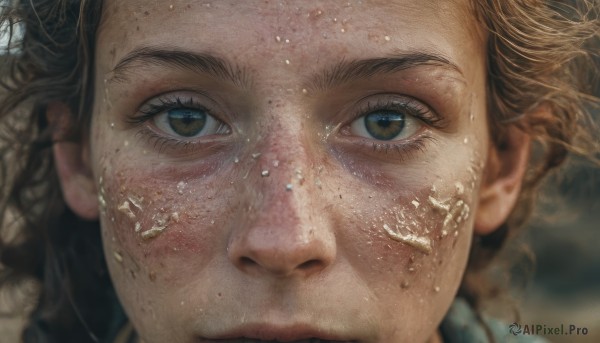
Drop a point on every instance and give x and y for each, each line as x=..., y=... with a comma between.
x=148, y=222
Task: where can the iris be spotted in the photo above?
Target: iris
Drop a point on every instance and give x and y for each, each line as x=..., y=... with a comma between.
x=187, y=122
x=384, y=125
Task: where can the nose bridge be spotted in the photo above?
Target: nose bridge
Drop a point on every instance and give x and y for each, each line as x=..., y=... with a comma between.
x=282, y=235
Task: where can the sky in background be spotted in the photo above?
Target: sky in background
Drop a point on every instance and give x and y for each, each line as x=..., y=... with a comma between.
x=3, y=37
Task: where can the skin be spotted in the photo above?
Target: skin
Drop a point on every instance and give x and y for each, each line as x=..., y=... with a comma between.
x=368, y=245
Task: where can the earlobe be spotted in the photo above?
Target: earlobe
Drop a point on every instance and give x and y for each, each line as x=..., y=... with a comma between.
x=502, y=180
x=74, y=173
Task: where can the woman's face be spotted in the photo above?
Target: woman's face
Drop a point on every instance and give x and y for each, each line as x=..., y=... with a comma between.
x=283, y=170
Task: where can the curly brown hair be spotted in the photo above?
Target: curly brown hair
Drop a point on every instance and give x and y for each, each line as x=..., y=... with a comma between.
x=540, y=53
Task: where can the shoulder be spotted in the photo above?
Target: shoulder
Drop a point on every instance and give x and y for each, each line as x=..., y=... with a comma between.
x=463, y=325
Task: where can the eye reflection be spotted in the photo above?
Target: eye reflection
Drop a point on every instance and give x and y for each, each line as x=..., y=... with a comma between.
x=186, y=122
x=384, y=125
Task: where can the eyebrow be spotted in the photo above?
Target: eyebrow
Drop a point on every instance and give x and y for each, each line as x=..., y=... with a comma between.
x=341, y=73
x=348, y=71
x=196, y=62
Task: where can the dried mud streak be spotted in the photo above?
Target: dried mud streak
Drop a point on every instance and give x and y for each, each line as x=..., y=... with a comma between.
x=421, y=243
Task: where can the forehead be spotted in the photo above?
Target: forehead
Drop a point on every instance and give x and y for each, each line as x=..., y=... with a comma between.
x=292, y=32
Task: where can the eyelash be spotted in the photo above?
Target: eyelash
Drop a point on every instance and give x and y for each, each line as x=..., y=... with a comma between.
x=158, y=141
x=410, y=106
x=165, y=105
x=403, y=148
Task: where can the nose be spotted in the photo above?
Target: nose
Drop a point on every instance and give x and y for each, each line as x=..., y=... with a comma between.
x=284, y=235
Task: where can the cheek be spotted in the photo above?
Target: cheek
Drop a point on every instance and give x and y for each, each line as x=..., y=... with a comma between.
x=152, y=224
x=416, y=243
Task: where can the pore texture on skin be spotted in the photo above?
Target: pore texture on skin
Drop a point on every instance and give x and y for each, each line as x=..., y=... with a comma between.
x=287, y=170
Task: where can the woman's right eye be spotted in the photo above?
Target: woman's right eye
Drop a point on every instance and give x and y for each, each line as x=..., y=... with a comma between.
x=178, y=119
x=188, y=123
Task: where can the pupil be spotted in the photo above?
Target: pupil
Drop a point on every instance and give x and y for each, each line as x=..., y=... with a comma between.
x=187, y=122
x=384, y=125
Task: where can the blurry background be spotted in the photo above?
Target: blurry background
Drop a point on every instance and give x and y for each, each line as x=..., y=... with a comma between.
x=563, y=286
x=564, y=237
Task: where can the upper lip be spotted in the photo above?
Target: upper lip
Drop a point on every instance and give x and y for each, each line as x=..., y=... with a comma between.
x=288, y=333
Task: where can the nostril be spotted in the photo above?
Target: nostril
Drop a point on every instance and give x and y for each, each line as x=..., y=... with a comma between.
x=247, y=262
x=308, y=265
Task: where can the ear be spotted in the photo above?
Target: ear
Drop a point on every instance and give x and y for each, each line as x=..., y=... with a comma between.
x=72, y=164
x=502, y=180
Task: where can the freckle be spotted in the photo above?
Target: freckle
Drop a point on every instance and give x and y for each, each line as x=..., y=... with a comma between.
x=264, y=173
x=118, y=257
x=146, y=13
x=152, y=276
x=256, y=155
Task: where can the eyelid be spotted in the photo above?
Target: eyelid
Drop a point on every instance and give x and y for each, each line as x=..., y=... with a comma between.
x=161, y=103
x=416, y=108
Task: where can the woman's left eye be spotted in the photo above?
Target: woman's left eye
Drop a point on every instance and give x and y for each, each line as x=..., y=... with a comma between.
x=189, y=123
x=385, y=125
